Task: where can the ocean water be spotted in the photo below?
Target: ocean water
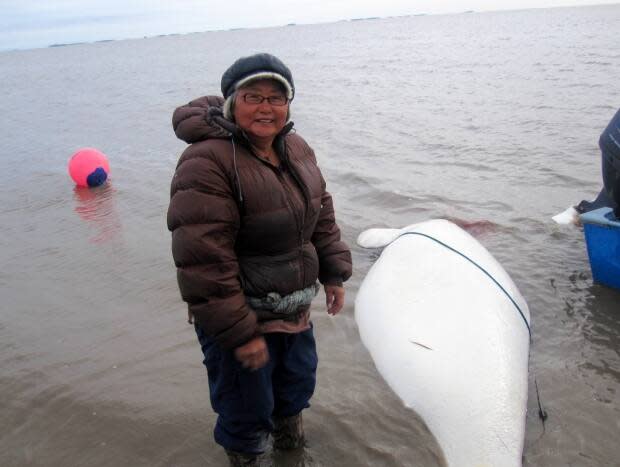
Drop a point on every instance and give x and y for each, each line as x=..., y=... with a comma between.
x=479, y=117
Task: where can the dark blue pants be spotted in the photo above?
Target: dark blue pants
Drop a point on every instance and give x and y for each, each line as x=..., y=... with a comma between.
x=246, y=400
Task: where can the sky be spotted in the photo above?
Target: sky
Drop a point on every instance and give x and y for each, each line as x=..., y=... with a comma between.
x=40, y=23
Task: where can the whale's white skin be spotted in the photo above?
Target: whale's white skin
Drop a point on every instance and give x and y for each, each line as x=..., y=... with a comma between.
x=448, y=341
x=567, y=217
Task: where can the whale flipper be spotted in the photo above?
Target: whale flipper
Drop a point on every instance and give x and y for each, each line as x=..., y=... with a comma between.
x=377, y=238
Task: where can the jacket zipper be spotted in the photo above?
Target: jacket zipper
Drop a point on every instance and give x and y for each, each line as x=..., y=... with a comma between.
x=299, y=220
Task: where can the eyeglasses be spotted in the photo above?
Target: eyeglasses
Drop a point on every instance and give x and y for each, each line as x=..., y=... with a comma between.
x=255, y=99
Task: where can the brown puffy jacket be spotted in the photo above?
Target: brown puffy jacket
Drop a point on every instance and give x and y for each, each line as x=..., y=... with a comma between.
x=243, y=227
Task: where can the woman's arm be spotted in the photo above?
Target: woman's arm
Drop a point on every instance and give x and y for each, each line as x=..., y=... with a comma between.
x=204, y=219
x=335, y=265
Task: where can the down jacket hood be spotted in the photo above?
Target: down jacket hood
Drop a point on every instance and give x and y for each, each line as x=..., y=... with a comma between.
x=203, y=119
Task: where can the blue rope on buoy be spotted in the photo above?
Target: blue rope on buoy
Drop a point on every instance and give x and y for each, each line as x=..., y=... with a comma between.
x=479, y=267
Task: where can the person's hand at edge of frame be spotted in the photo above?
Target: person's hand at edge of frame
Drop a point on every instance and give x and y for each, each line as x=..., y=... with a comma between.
x=253, y=354
x=334, y=298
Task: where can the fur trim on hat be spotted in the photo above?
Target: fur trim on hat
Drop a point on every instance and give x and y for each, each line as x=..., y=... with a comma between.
x=266, y=75
x=227, y=108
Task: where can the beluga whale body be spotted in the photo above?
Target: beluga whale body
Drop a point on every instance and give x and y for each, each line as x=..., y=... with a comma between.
x=449, y=331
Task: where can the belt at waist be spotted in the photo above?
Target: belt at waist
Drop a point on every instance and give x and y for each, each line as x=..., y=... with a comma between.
x=287, y=304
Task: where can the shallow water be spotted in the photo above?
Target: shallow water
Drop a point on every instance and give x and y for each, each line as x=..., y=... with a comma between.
x=491, y=116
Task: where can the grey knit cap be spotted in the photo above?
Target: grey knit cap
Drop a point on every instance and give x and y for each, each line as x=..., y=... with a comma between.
x=254, y=67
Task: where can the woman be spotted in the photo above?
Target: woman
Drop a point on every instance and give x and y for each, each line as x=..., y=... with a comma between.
x=253, y=229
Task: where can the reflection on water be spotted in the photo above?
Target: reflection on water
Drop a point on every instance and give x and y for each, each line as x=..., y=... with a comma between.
x=97, y=206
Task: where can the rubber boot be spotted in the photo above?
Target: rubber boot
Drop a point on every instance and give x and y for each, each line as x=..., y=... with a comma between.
x=288, y=433
x=240, y=459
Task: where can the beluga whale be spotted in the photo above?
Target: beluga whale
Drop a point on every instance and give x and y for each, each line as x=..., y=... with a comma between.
x=449, y=332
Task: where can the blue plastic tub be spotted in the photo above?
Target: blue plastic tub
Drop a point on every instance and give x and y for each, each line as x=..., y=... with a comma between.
x=602, y=231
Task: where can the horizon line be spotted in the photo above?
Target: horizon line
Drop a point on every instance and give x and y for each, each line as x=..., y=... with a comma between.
x=293, y=24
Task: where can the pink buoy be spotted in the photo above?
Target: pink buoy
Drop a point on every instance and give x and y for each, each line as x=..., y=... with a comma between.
x=89, y=167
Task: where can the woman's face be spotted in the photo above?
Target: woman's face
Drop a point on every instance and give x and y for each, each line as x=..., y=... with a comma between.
x=261, y=121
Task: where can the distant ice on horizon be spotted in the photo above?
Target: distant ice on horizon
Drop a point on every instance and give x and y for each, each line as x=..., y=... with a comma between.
x=36, y=24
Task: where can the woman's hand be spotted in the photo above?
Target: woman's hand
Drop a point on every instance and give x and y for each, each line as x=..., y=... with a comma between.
x=334, y=298
x=253, y=354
